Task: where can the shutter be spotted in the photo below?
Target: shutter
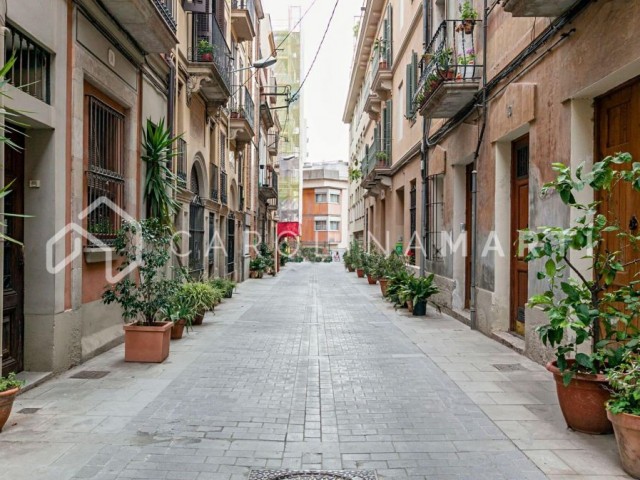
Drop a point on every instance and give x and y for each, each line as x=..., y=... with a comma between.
x=196, y=6
x=388, y=128
x=389, y=35
x=408, y=92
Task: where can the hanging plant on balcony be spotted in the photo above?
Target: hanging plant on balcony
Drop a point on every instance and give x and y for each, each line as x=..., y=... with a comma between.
x=443, y=60
x=355, y=174
x=382, y=157
x=205, y=51
x=469, y=16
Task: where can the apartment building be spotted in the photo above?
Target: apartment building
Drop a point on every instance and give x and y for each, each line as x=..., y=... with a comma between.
x=499, y=104
x=88, y=77
x=325, y=206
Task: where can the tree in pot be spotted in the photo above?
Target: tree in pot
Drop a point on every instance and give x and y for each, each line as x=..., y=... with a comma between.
x=145, y=246
x=257, y=267
x=417, y=291
x=373, y=266
x=9, y=387
x=357, y=258
x=624, y=410
x=586, y=308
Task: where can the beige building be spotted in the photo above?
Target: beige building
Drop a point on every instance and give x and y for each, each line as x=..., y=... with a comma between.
x=505, y=106
x=87, y=78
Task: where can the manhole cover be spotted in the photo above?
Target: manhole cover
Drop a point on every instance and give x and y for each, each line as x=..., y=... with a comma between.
x=89, y=374
x=311, y=475
x=509, y=367
x=28, y=411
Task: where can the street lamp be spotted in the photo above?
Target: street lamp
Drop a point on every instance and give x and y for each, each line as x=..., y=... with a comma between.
x=262, y=63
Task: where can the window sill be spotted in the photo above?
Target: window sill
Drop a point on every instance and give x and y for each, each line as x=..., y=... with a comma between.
x=98, y=254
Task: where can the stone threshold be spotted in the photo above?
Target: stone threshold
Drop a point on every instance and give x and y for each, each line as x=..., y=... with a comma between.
x=510, y=340
x=33, y=379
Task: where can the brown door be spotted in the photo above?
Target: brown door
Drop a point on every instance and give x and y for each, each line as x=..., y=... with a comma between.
x=519, y=221
x=618, y=130
x=467, y=221
x=12, y=318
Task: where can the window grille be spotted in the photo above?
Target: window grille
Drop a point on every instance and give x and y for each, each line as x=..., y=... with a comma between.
x=215, y=182
x=412, y=223
x=223, y=188
x=435, y=206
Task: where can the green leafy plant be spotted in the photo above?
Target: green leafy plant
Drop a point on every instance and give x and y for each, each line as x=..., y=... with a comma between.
x=395, y=288
x=223, y=284
x=257, y=264
x=205, y=47
x=586, y=307
x=382, y=156
x=355, y=174
x=467, y=12
x=146, y=245
x=160, y=182
x=10, y=382
x=391, y=265
x=201, y=296
x=419, y=289
x=624, y=378
x=179, y=308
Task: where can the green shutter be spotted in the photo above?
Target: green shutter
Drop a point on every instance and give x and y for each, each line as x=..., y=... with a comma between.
x=389, y=35
x=408, y=91
x=388, y=128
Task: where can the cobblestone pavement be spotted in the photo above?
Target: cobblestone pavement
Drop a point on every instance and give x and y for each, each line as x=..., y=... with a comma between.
x=309, y=370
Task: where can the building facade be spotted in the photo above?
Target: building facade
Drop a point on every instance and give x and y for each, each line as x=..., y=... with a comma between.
x=88, y=77
x=498, y=106
x=325, y=206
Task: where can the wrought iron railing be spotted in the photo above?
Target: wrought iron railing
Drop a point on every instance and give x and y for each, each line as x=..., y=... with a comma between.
x=247, y=5
x=223, y=188
x=31, y=70
x=167, y=9
x=450, y=57
x=242, y=106
x=181, y=163
x=381, y=57
x=208, y=44
x=379, y=157
x=215, y=178
x=273, y=141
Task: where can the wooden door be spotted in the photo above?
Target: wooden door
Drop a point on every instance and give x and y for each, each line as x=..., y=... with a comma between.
x=13, y=295
x=618, y=130
x=468, y=219
x=519, y=221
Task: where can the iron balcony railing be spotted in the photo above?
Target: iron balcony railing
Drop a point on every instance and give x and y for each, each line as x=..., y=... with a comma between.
x=208, y=44
x=274, y=181
x=273, y=140
x=247, y=5
x=223, y=188
x=381, y=58
x=242, y=106
x=167, y=9
x=215, y=176
x=379, y=157
x=181, y=162
x=450, y=57
x=31, y=70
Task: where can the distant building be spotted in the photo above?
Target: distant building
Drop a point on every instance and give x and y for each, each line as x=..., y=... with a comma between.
x=325, y=206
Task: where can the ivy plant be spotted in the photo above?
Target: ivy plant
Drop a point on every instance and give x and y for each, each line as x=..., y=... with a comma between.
x=587, y=309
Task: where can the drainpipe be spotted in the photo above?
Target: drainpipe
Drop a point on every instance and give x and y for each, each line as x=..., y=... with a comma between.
x=171, y=94
x=474, y=178
x=424, y=150
x=3, y=29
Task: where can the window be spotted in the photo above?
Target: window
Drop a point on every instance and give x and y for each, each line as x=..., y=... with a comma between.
x=321, y=225
x=30, y=72
x=334, y=198
x=435, y=205
x=411, y=85
x=321, y=198
x=223, y=151
x=181, y=163
x=215, y=179
x=334, y=225
x=105, y=169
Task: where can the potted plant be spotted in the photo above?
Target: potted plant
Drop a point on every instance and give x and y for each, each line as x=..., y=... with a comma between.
x=624, y=411
x=467, y=62
x=202, y=297
x=390, y=266
x=382, y=157
x=357, y=258
x=585, y=309
x=180, y=312
x=380, y=46
x=9, y=387
x=226, y=286
x=144, y=248
x=417, y=291
x=469, y=16
x=205, y=51
x=256, y=267
x=371, y=266
x=443, y=62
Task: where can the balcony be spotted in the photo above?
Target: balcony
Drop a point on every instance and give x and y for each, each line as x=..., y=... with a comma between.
x=268, y=183
x=382, y=77
x=243, y=19
x=181, y=163
x=215, y=181
x=209, y=64
x=449, y=73
x=266, y=117
x=242, y=116
x=223, y=188
x=151, y=23
x=537, y=8
x=376, y=167
x=273, y=139
x=272, y=204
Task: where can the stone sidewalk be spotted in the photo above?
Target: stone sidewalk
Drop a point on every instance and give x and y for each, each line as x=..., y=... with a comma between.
x=309, y=370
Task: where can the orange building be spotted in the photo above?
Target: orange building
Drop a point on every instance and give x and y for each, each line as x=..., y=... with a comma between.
x=325, y=206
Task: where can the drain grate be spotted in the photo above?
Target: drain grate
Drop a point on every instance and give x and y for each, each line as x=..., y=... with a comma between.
x=312, y=475
x=28, y=411
x=90, y=374
x=509, y=367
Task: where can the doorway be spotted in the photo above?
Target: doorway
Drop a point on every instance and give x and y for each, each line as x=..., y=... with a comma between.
x=519, y=221
x=13, y=282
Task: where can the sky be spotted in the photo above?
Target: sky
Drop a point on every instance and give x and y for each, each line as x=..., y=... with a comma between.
x=325, y=91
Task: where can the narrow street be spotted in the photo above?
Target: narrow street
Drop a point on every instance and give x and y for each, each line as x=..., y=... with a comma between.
x=308, y=370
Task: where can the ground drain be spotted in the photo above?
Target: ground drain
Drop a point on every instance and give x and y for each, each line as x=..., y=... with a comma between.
x=509, y=367
x=90, y=374
x=312, y=475
x=28, y=411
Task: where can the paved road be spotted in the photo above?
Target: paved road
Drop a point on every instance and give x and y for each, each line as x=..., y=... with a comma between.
x=310, y=370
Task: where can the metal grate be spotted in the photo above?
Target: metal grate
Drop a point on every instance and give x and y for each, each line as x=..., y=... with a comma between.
x=105, y=175
x=30, y=73
x=212, y=238
x=208, y=44
x=509, y=367
x=242, y=105
x=413, y=223
x=223, y=188
x=231, y=244
x=522, y=161
x=28, y=411
x=312, y=475
x=435, y=208
x=90, y=374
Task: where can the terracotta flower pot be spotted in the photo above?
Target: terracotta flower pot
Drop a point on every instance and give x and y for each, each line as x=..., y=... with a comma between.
x=410, y=305
x=627, y=430
x=351, y=269
x=372, y=280
x=147, y=344
x=360, y=272
x=583, y=401
x=206, y=57
x=198, y=319
x=177, y=329
x=384, y=283
x=6, y=403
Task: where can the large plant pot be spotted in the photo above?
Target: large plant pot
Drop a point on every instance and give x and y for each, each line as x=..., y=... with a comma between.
x=206, y=57
x=627, y=430
x=198, y=319
x=228, y=293
x=384, y=283
x=360, y=272
x=420, y=309
x=6, y=404
x=147, y=344
x=372, y=280
x=177, y=329
x=583, y=401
